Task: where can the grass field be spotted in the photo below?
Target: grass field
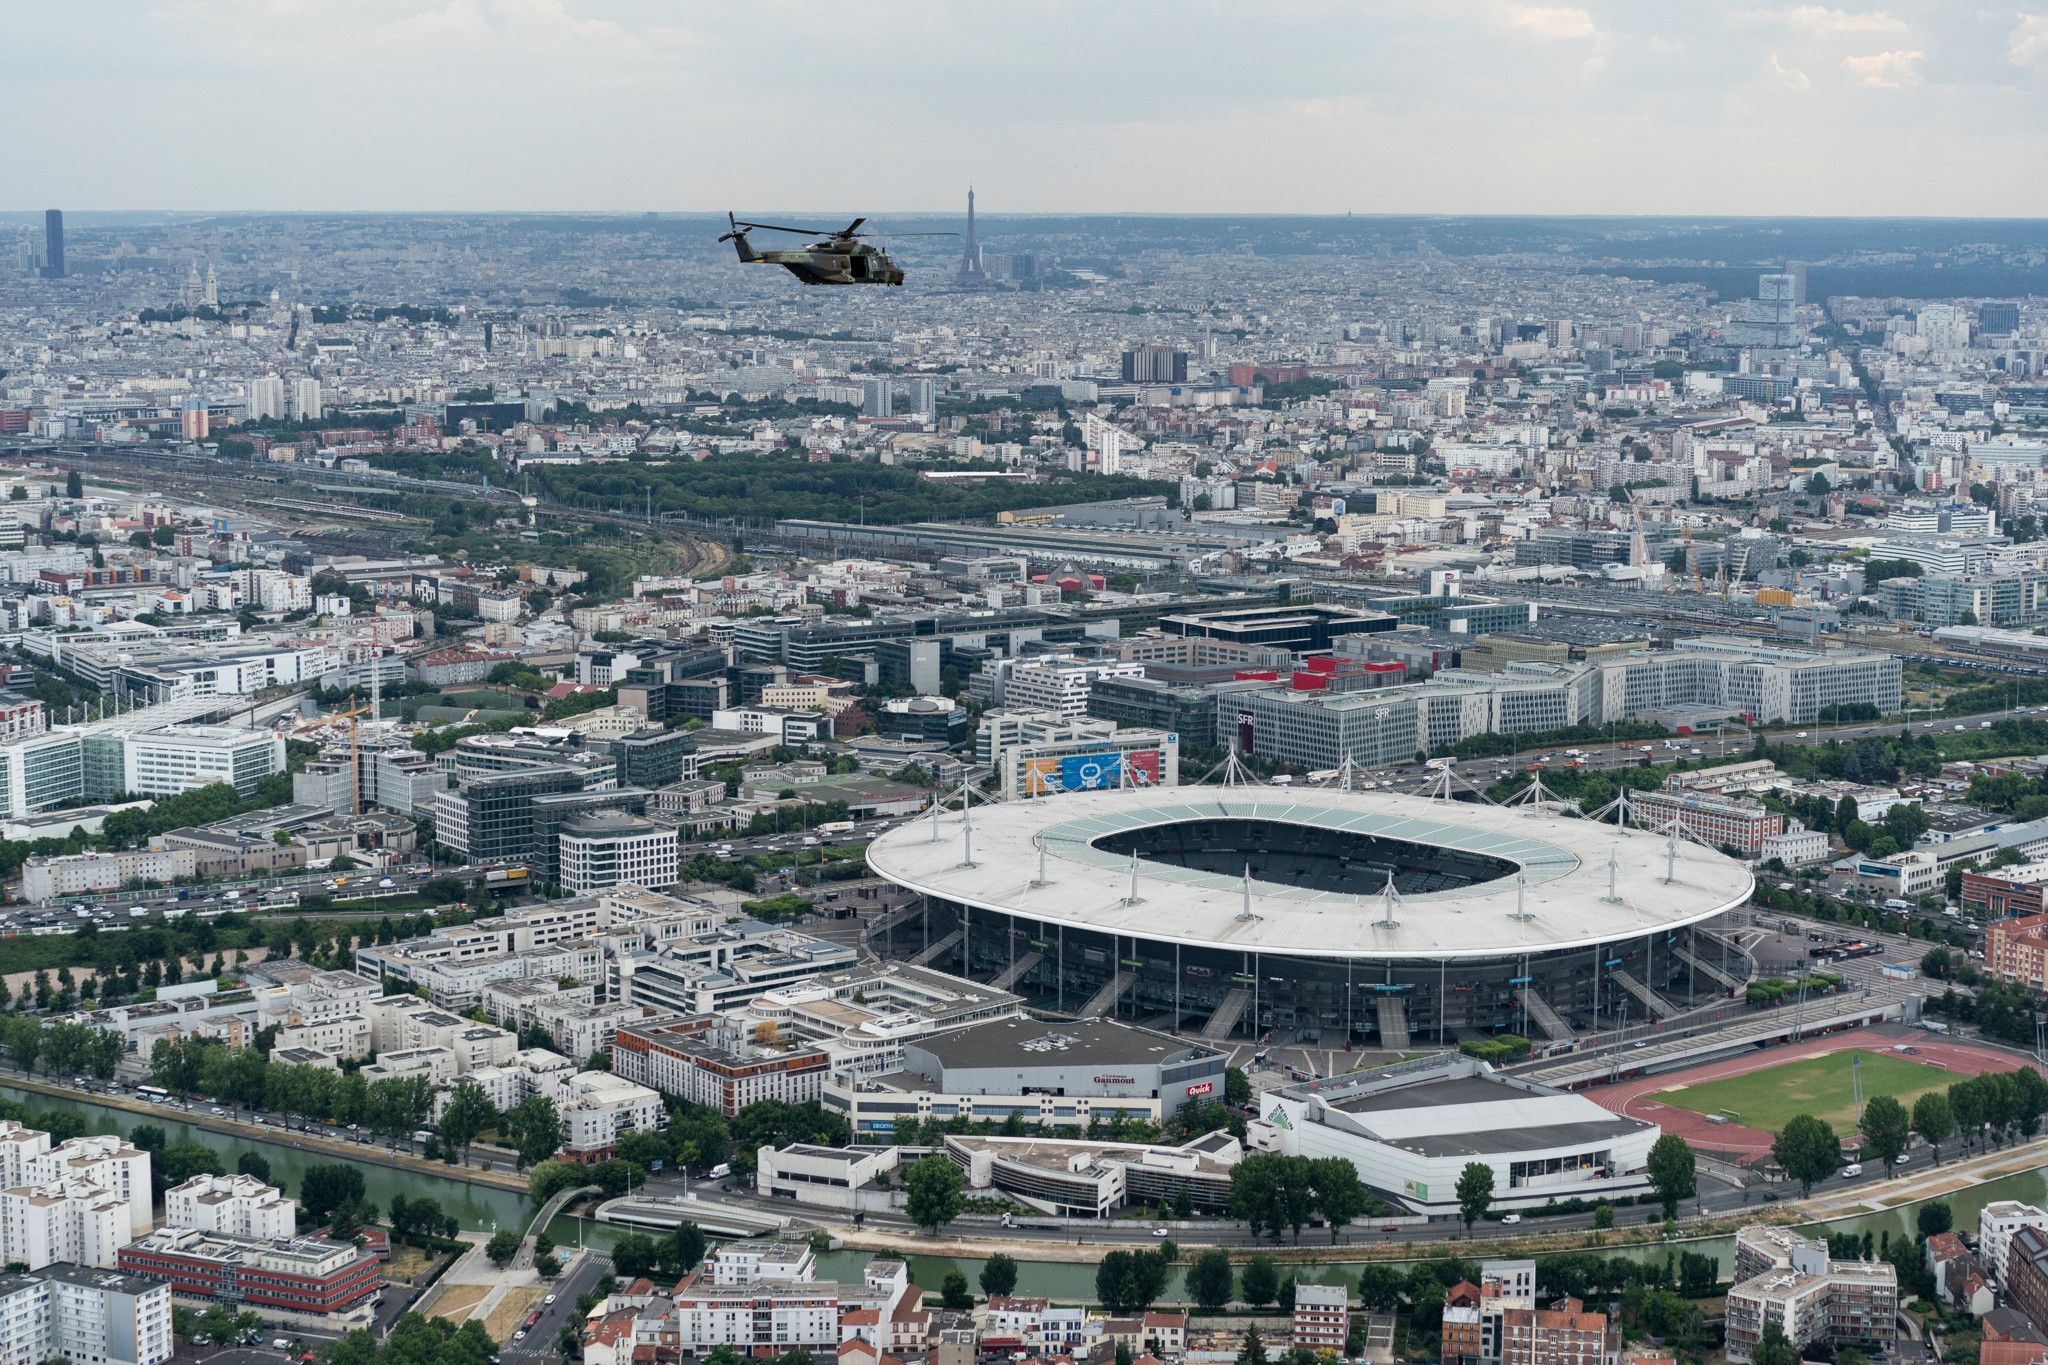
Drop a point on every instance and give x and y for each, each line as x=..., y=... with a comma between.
x=1819, y=1086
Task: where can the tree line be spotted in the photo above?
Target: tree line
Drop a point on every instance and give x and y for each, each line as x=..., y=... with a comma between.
x=1981, y=1110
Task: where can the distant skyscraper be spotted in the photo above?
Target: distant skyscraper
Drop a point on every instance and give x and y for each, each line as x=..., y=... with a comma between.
x=1998, y=319
x=1772, y=321
x=970, y=255
x=877, y=398
x=1797, y=270
x=924, y=399
x=1944, y=327
x=266, y=398
x=305, y=406
x=53, y=244
x=1155, y=365
x=490, y=334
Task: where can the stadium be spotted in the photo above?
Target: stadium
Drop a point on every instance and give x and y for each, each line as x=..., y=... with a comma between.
x=1375, y=919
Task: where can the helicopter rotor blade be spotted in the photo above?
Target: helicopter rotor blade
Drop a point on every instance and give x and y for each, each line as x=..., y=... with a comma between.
x=777, y=227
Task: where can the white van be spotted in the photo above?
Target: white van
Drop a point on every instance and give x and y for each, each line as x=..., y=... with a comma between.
x=1852, y=1170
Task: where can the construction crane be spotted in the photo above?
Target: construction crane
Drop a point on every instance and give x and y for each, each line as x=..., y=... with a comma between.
x=355, y=756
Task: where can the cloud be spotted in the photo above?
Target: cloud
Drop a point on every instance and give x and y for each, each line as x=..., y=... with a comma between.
x=2029, y=40
x=1787, y=77
x=1552, y=21
x=1885, y=70
x=1819, y=20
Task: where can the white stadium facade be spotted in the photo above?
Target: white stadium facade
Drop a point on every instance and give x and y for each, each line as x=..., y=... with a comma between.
x=1351, y=918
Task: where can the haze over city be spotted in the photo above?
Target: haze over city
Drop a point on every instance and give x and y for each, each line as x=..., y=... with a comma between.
x=1472, y=106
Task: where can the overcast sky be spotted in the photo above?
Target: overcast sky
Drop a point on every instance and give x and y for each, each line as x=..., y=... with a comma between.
x=1387, y=106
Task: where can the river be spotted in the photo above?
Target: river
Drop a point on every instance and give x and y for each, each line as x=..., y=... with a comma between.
x=485, y=1208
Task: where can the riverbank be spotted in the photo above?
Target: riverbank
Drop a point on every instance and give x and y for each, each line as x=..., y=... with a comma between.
x=368, y=1153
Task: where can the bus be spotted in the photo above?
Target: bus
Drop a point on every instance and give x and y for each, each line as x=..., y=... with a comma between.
x=152, y=1092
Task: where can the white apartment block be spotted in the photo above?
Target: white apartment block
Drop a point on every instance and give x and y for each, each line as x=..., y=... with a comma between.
x=86, y=1316
x=45, y=879
x=746, y=1262
x=72, y=1220
x=239, y=1205
x=27, y=1158
x=348, y=1037
x=597, y=1107
x=1997, y=1223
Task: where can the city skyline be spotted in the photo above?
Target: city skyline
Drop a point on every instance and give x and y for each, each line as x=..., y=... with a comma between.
x=1485, y=107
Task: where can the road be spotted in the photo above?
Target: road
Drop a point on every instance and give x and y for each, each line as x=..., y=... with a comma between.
x=543, y=1340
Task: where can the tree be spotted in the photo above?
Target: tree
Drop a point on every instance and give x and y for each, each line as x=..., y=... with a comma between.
x=1773, y=1349
x=1934, y=1218
x=1808, y=1150
x=998, y=1276
x=1130, y=1281
x=502, y=1247
x=468, y=1113
x=1672, y=1172
x=1210, y=1280
x=1380, y=1287
x=1339, y=1195
x=1475, y=1193
x=1237, y=1087
x=633, y=1255
x=74, y=487
x=254, y=1163
x=535, y=1129
x=1259, y=1283
x=1253, y=1352
x=682, y=1250
x=1934, y=1121
x=328, y=1189
x=953, y=1292
x=1884, y=1126
x=932, y=1192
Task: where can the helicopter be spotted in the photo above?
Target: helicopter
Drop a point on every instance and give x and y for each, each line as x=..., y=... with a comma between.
x=838, y=258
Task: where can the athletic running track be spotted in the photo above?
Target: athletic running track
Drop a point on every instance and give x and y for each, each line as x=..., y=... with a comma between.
x=1637, y=1099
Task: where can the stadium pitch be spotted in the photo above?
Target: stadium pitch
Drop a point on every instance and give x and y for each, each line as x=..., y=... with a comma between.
x=1769, y=1098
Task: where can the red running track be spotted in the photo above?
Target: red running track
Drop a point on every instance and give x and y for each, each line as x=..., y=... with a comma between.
x=1636, y=1099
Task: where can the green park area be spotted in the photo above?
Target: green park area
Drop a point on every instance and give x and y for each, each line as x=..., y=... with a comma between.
x=1820, y=1086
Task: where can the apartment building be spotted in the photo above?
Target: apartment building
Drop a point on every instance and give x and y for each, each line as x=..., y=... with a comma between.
x=1565, y=1335
x=597, y=1108
x=1788, y=1281
x=677, y=1057
x=2016, y=950
x=1997, y=1222
x=72, y=1221
x=238, y=1205
x=103, y=1160
x=1322, y=1317
x=86, y=1316
x=1714, y=820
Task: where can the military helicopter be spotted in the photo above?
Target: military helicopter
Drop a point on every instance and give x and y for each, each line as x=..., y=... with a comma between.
x=838, y=258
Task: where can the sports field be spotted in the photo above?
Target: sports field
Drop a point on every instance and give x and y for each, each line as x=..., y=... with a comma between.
x=1769, y=1098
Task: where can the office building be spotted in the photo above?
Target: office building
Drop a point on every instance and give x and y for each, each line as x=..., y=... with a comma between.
x=1155, y=364
x=85, y=1316
x=600, y=849
x=305, y=1279
x=924, y=398
x=1998, y=319
x=53, y=244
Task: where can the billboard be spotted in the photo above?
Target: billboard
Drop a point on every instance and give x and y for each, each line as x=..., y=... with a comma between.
x=1095, y=772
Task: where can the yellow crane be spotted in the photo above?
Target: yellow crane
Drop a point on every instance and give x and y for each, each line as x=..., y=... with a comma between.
x=357, y=708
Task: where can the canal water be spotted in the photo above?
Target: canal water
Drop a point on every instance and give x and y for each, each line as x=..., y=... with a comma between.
x=479, y=1207
x=483, y=1208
